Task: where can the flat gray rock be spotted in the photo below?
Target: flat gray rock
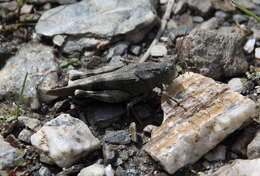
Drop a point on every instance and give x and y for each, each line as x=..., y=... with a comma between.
x=8, y=155
x=117, y=137
x=38, y=61
x=99, y=18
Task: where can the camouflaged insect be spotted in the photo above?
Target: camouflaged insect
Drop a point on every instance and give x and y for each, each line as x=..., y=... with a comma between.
x=121, y=85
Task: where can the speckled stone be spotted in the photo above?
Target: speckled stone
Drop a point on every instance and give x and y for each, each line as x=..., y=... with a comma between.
x=65, y=140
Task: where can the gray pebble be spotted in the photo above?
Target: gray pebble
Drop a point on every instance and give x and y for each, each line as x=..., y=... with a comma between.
x=179, y=31
x=9, y=156
x=44, y=171
x=197, y=19
x=159, y=50
x=25, y=135
x=220, y=14
x=240, y=18
x=136, y=49
x=108, y=154
x=117, y=137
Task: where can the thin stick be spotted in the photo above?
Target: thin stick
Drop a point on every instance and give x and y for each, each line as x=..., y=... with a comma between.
x=165, y=19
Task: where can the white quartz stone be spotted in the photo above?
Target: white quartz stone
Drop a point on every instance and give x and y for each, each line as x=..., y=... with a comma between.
x=163, y=1
x=158, y=50
x=236, y=85
x=206, y=113
x=250, y=45
x=149, y=128
x=257, y=53
x=239, y=168
x=97, y=170
x=59, y=40
x=65, y=140
x=109, y=171
x=93, y=170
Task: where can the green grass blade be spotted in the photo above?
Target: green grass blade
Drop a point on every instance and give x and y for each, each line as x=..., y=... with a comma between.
x=249, y=13
x=72, y=61
x=21, y=99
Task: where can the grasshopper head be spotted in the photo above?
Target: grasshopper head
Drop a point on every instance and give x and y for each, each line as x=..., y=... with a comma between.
x=168, y=72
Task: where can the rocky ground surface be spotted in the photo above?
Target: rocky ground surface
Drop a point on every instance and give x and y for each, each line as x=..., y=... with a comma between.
x=75, y=100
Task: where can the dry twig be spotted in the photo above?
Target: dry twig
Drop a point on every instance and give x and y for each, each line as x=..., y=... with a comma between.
x=165, y=19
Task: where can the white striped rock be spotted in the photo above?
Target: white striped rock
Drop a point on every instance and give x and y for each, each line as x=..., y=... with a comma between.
x=65, y=140
x=207, y=113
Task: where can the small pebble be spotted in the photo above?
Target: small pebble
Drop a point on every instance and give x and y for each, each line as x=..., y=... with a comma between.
x=163, y=1
x=119, y=162
x=159, y=50
x=59, y=40
x=220, y=14
x=25, y=135
x=197, y=19
x=149, y=128
x=240, y=18
x=9, y=156
x=31, y=123
x=117, y=137
x=108, y=154
x=93, y=170
x=250, y=45
x=26, y=9
x=135, y=49
x=124, y=155
x=257, y=53
x=236, y=85
x=89, y=53
x=47, y=6
x=44, y=171
x=109, y=171
x=120, y=171
x=256, y=34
